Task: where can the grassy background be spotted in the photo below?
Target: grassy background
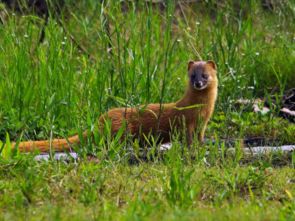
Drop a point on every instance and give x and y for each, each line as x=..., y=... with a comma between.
x=138, y=56
x=134, y=54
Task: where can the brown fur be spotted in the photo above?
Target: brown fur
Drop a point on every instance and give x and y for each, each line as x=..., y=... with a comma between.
x=193, y=111
x=160, y=120
x=47, y=145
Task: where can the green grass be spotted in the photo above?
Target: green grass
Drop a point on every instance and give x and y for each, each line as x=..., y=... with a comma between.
x=166, y=190
x=138, y=55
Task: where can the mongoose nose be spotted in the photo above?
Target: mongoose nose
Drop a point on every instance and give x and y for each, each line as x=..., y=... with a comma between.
x=199, y=84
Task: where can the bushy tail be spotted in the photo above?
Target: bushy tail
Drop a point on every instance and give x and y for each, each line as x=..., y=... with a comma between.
x=47, y=145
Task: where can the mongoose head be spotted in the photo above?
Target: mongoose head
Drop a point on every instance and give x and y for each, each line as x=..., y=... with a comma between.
x=202, y=74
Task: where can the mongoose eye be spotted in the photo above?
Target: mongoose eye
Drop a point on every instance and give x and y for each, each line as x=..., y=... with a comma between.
x=205, y=76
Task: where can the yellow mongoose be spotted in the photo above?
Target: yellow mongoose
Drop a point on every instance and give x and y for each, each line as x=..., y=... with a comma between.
x=193, y=111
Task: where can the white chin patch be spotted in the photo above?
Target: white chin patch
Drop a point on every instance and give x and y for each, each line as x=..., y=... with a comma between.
x=200, y=88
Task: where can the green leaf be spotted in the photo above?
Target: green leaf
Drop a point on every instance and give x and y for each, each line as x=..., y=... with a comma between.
x=7, y=150
x=190, y=107
x=120, y=100
x=1, y=147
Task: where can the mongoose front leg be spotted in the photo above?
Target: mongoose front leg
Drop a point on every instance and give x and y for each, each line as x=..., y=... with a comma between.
x=201, y=133
x=190, y=134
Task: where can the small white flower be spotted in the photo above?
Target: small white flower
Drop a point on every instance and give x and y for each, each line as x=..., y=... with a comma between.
x=26, y=36
x=232, y=71
x=198, y=23
x=257, y=53
x=63, y=43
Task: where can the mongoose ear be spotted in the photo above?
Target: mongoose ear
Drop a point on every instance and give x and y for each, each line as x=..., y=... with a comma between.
x=190, y=64
x=212, y=64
